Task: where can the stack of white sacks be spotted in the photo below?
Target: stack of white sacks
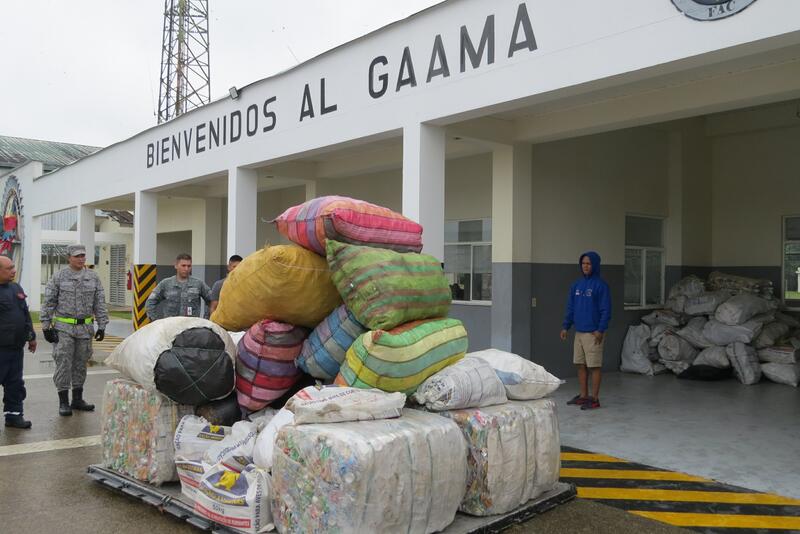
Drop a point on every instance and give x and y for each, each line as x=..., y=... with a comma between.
x=341, y=459
x=709, y=327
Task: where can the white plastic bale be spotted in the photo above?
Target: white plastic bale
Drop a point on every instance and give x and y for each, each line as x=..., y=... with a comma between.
x=706, y=303
x=693, y=333
x=235, y=451
x=522, y=378
x=676, y=303
x=334, y=404
x=265, y=442
x=635, y=351
x=657, y=332
x=676, y=366
x=785, y=354
x=723, y=335
x=513, y=454
x=667, y=317
x=782, y=373
x=713, y=357
x=137, y=429
x=740, y=308
x=675, y=348
x=392, y=475
x=770, y=334
x=468, y=383
x=689, y=286
x=238, y=500
x=745, y=363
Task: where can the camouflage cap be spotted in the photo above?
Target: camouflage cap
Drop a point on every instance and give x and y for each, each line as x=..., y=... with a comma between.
x=76, y=250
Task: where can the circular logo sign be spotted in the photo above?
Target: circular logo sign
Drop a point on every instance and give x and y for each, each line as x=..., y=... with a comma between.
x=711, y=9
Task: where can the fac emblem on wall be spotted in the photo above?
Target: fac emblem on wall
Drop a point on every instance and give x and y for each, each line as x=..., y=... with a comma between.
x=711, y=9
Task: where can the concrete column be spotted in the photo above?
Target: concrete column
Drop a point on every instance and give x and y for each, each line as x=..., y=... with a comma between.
x=512, y=250
x=311, y=190
x=423, y=183
x=86, y=231
x=31, y=279
x=242, y=211
x=145, y=221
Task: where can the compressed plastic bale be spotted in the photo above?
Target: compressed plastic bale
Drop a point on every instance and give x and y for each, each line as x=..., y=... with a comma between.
x=770, y=334
x=284, y=283
x=744, y=362
x=468, y=383
x=348, y=220
x=689, y=286
x=693, y=333
x=237, y=500
x=713, y=357
x=323, y=352
x=785, y=354
x=718, y=280
x=402, y=358
x=336, y=404
x=188, y=359
x=384, y=289
x=723, y=335
x=635, y=351
x=136, y=431
x=782, y=373
x=674, y=348
x=266, y=363
x=404, y=475
x=706, y=303
x=522, y=378
x=740, y=308
x=513, y=454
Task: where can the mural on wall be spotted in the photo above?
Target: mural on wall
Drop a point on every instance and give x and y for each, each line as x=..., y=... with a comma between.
x=11, y=237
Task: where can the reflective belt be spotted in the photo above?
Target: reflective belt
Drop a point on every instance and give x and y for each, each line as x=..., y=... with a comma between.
x=70, y=320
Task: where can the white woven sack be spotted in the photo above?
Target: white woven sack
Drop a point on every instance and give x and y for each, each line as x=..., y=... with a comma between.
x=523, y=379
x=333, y=404
x=469, y=383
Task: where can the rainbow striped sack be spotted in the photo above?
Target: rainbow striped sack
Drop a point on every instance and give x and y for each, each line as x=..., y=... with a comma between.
x=265, y=367
x=384, y=288
x=323, y=352
x=350, y=221
x=401, y=359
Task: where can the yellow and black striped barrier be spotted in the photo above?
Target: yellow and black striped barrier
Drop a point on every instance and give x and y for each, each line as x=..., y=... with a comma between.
x=677, y=499
x=144, y=281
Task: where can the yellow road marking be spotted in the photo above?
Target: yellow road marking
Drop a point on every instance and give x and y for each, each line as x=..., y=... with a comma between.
x=589, y=457
x=681, y=519
x=45, y=446
x=685, y=496
x=632, y=474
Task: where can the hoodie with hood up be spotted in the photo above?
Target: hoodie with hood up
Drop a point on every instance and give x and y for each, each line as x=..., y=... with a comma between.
x=589, y=301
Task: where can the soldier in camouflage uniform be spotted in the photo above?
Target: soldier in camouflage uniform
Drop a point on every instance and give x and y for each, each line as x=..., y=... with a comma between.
x=179, y=295
x=73, y=302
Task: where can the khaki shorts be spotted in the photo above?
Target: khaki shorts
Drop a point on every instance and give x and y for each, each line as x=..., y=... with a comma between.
x=586, y=351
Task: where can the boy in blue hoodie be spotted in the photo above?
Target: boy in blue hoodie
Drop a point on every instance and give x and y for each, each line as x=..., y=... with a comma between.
x=589, y=309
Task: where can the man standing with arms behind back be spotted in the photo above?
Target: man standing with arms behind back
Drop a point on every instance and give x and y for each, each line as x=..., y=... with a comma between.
x=73, y=301
x=16, y=329
x=589, y=309
x=179, y=295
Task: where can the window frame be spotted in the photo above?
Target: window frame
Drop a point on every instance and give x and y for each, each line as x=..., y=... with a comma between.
x=643, y=257
x=792, y=304
x=472, y=245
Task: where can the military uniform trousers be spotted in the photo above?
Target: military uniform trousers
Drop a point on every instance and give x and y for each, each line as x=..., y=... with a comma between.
x=71, y=355
x=11, y=379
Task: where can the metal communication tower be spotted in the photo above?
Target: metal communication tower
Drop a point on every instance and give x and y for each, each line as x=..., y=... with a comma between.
x=185, y=70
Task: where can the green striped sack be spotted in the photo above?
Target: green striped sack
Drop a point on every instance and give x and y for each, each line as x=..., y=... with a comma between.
x=402, y=358
x=385, y=289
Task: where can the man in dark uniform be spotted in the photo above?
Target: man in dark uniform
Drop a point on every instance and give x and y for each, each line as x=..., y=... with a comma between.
x=16, y=329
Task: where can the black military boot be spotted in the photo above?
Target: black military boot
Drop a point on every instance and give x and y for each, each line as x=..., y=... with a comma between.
x=78, y=403
x=63, y=403
x=17, y=421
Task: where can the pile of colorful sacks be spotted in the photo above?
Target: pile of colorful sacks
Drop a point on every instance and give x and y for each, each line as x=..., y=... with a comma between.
x=355, y=309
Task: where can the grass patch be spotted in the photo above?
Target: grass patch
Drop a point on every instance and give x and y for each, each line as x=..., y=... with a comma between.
x=793, y=295
x=121, y=315
x=35, y=316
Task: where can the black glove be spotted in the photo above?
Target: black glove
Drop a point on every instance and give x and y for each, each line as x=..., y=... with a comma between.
x=100, y=335
x=51, y=335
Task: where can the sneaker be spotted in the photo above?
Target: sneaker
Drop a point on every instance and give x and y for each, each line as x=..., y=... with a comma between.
x=580, y=401
x=590, y=404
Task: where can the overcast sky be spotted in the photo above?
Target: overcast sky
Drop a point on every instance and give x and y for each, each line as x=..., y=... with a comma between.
x=87, y=71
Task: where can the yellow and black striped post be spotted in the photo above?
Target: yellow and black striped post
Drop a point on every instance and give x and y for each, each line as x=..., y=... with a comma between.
x=144, y=281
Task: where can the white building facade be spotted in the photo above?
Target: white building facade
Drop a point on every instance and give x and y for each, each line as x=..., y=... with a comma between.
x=518, y=133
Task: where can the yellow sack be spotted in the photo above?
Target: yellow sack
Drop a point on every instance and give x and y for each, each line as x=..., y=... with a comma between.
x=284, y=283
